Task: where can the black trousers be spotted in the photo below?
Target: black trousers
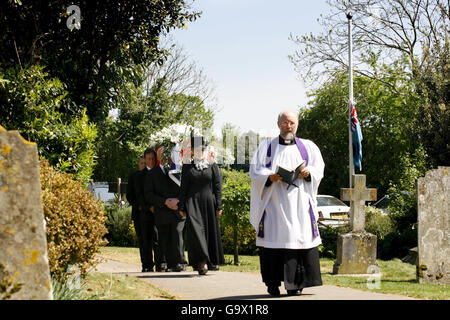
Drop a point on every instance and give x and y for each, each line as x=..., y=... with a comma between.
x=171, y=243
x=148, y=241
x=297, y=268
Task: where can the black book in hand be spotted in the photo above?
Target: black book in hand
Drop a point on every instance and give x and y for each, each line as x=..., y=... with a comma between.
x=290, y=176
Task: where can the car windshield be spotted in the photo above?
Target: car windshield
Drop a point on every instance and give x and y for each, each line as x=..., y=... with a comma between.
x=329, y=201
x=383, y=203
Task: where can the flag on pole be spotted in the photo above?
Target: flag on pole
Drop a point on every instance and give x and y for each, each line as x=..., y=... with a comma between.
x=356, y=138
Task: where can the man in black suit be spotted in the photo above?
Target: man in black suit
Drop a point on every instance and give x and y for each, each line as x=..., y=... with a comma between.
x=132, y=197
x=162, y=192
x=150, y=241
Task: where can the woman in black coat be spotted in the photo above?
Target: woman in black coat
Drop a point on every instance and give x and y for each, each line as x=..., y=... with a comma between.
x=201, y=201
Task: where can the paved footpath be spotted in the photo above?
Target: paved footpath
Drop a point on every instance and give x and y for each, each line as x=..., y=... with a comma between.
x=188, y=285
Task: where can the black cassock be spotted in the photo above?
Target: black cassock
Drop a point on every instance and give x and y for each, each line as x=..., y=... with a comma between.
x=200, y=197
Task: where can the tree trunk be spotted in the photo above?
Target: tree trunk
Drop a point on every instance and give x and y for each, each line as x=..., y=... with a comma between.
x=235, y=240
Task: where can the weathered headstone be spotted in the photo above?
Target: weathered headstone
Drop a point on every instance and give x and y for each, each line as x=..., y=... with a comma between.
x=357, y=250
x=23, y=243
x=433, y=214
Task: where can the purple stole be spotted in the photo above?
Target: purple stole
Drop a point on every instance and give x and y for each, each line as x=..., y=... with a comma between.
x=304, y=154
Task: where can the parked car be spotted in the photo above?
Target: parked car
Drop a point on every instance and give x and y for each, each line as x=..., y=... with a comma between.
x=332, y=211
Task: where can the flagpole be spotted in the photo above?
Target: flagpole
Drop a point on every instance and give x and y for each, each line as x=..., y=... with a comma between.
x=350, y=102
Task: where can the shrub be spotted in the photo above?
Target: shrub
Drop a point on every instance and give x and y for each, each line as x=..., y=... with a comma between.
x=246, y=239
x=376, y=222
x=236, y=207
x=37, y=105
x=120, y=226
x=329, y=236
x=75, y=221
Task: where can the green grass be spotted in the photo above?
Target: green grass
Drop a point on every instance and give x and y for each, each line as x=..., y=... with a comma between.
x=128, y=255
x=397, y=277
x=131, y=255
x=107, y=286
x=246, y=264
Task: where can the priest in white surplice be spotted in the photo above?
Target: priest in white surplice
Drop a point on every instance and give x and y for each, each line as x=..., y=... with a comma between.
x=285, y=216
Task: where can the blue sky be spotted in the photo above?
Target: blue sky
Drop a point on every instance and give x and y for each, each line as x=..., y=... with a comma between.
x=243, y=47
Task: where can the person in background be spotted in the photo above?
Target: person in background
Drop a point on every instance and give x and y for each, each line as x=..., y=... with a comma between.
x=201, y=201
x=151, y=253
x=136, y=208
x=162, y=192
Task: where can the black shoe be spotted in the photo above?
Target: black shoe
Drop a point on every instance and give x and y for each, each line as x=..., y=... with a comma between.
x=161, y=268
x=213, y=267
x=294, y=292
x=202, y=268
x=146, y=269
x=178, y=268
x=273, y=291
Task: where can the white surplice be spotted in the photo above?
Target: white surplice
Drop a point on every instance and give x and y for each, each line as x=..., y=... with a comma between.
x=287, y=223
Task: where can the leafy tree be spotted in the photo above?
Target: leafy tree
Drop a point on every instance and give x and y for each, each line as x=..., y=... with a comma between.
x=125, y=138
x=433, y=82
x=414, y=32
x=388, y=122
x=175, y=91
x=35, y=104
x=98, y=59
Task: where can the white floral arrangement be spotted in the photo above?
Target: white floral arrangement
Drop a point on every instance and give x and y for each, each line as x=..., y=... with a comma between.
x=177, y=147
x=172, y=138
x=216, y=153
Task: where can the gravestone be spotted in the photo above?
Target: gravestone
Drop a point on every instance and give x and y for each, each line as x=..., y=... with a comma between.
x=357, y=250
x=23, y=243
x=433, y=215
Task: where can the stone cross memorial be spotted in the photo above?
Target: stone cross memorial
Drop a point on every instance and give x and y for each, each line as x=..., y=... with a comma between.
x=23, y=242
x=358, y=197
x=357, y=250
x=433, y=214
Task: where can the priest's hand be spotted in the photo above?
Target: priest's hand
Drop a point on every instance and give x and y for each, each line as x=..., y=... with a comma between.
x=182, y=213
x=304, y=173
x=275, y=177
x=218, y=212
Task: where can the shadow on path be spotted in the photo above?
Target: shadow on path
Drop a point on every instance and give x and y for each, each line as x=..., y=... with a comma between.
x=168, y=276
x=260, y=296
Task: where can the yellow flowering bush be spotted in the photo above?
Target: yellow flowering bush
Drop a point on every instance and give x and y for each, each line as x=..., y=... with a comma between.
x=75, y=221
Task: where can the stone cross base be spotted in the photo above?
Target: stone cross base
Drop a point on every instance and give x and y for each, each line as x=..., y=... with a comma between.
x=356, y=253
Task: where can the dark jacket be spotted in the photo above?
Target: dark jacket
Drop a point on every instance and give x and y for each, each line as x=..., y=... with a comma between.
x=132, y=195
x=141, y=198
x=159, y=187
